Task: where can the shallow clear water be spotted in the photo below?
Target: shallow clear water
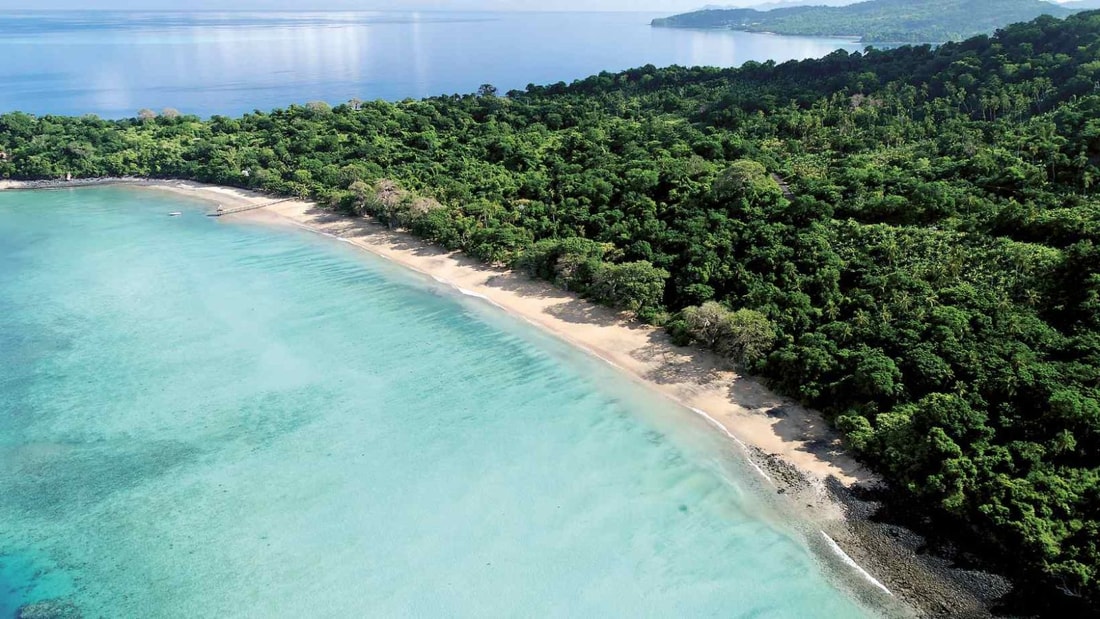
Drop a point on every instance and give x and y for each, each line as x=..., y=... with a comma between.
x=200, y=418
x=204, y=63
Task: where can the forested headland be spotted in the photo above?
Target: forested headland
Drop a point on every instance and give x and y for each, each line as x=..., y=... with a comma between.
x=877, y=21
x=908, y=240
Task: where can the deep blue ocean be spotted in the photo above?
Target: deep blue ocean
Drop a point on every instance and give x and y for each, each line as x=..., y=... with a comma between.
x=115, y=63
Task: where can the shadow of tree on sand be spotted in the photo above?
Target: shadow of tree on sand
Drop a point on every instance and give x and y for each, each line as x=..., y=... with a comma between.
x=675, y=364
x=794, y=423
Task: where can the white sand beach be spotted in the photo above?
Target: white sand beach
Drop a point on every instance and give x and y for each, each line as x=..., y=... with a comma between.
x=743, y=407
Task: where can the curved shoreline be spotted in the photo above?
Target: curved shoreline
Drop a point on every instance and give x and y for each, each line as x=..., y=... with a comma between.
x=741, y=405
x=790, y=446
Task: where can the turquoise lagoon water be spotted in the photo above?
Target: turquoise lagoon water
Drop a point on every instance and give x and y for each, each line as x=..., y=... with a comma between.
x=201, y=418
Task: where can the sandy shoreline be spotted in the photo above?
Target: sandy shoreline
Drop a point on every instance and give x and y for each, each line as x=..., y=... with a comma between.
x=742, y=406
x=791, y=446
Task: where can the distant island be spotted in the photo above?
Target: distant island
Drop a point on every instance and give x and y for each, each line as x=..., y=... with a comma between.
x=880, y=21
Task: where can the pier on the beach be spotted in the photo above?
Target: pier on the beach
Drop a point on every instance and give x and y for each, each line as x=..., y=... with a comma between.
x=247, y=207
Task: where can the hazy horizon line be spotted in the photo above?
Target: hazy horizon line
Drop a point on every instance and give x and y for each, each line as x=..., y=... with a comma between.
x=329, y=10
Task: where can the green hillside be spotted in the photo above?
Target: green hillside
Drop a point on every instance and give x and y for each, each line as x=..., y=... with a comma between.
x=877, y=21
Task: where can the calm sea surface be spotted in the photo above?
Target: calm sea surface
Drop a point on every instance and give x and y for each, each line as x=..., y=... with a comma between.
x=206, y=419
x=114, y=64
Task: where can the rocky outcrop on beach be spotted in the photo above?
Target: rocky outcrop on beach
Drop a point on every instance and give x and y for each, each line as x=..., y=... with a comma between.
x=928, y=580
x=61, y=183
x=933, y=581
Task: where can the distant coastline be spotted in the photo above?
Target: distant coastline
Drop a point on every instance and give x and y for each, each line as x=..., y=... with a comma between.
x=625, y=38
x=791, y=447
x=880, y=22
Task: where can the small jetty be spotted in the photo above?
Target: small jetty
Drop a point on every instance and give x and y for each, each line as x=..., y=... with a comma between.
x=246, y=207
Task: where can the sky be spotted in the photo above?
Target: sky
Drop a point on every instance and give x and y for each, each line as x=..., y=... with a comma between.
x=669, y=6
x=665, y=6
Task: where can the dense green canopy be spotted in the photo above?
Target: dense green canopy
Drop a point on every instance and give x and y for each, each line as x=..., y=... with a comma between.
x=907, y=239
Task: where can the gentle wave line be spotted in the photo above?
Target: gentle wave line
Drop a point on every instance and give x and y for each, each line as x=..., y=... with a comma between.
x=852, y=562
x=748, y=455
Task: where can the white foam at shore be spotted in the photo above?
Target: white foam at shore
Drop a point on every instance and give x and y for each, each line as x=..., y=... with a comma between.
x=852, y=563
x=476, y=295
x=831, y=542
x=748, y=455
